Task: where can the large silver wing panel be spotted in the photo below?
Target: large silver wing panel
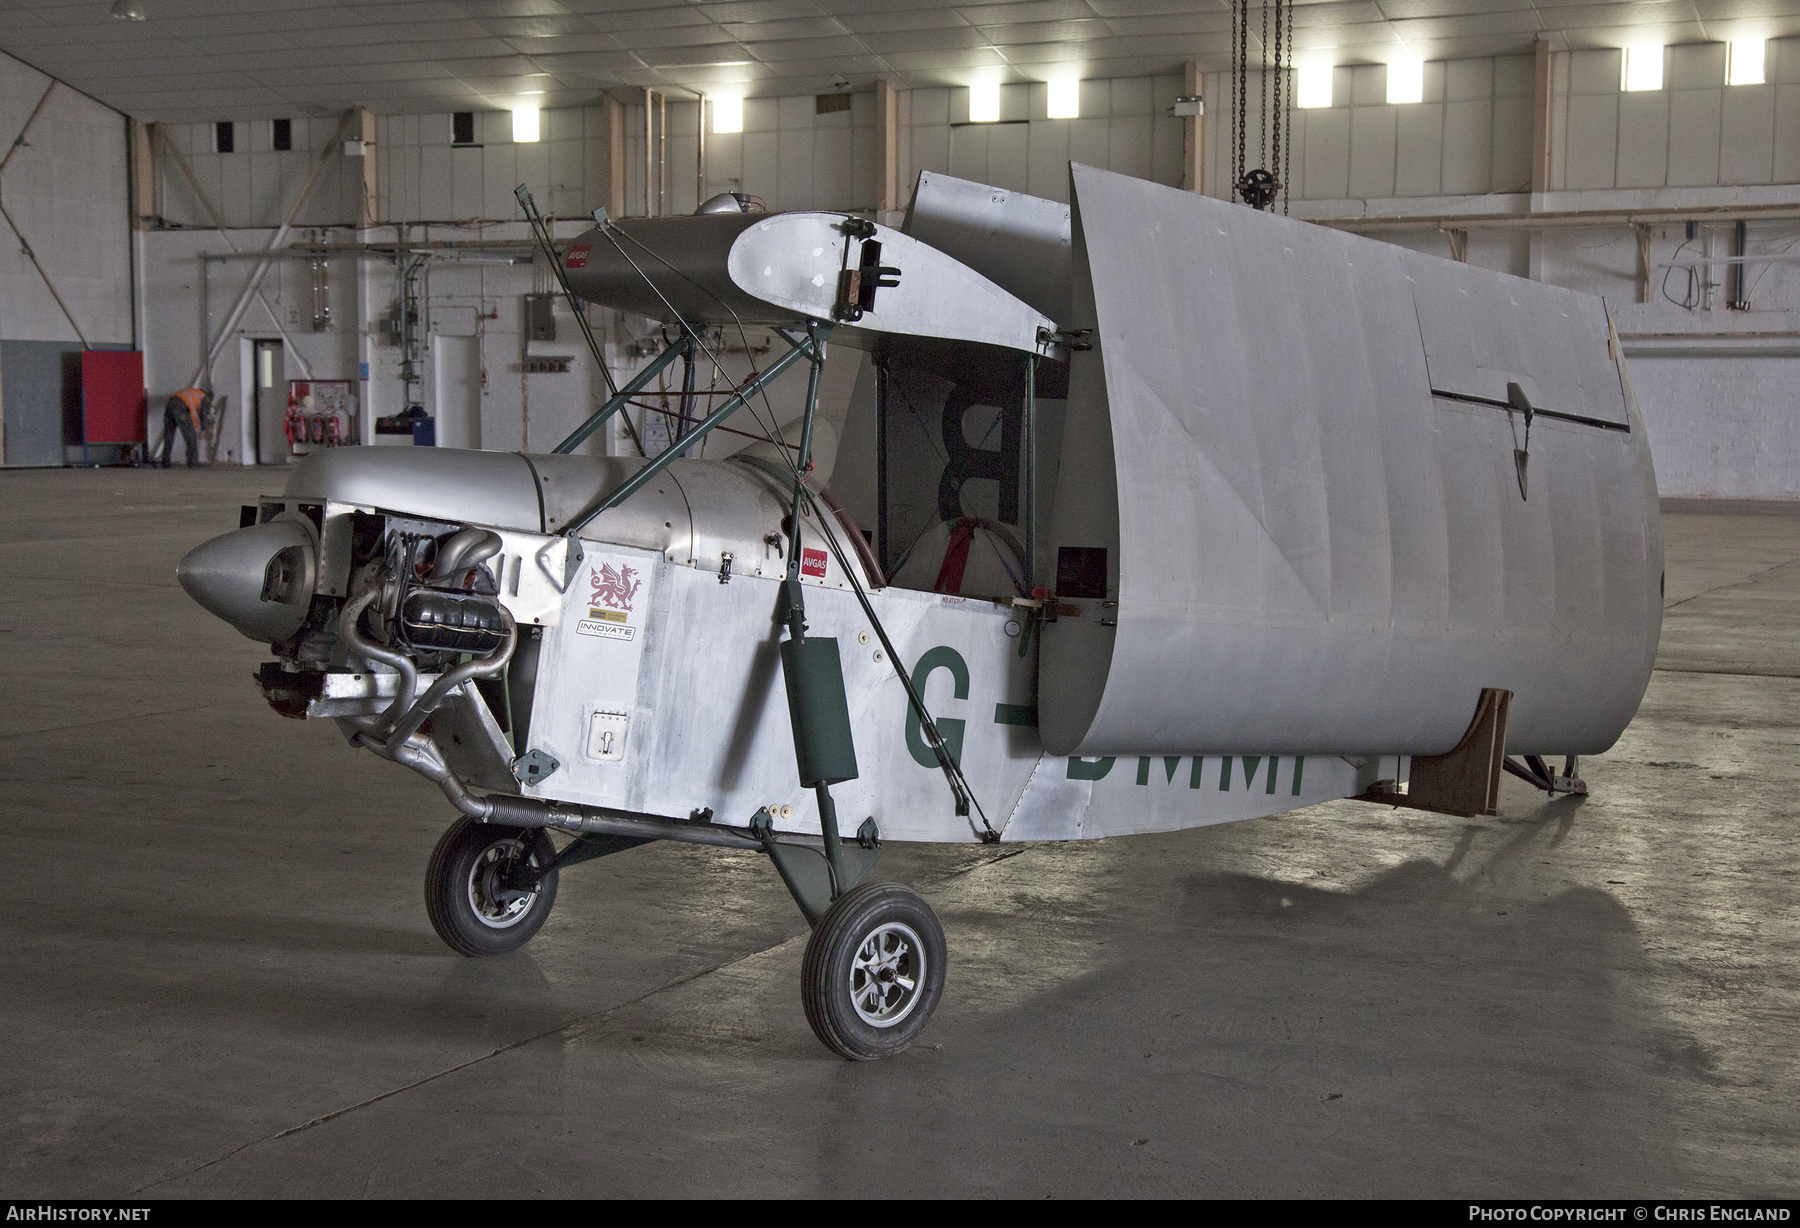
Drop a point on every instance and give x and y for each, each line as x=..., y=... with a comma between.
x=1309, y=550
x=1019, y=241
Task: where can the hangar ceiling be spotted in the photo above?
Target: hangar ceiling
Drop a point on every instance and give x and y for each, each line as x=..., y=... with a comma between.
x=195, y=60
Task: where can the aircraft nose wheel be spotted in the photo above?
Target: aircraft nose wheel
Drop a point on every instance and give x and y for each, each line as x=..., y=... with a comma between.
x=486, y=889
x=874, y=971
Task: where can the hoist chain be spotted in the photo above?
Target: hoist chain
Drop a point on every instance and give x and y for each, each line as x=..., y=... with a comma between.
x=1241, y=118
x=1262, y=88
x=1275, y=99
x=1287, y=108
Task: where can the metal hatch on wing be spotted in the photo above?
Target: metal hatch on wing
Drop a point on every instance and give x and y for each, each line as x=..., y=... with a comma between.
x=1482, y=333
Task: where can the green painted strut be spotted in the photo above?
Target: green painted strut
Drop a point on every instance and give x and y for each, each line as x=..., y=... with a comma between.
x=649, y=472
x=638, y=383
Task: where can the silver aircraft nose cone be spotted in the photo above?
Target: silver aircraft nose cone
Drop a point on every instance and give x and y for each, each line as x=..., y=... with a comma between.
x=259, y=579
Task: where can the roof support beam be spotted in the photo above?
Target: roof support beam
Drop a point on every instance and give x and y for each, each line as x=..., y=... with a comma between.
x=614, y=192
x=1543, y=114
x=25, y=246
x=1193, y=134
x=206, y=340
x=887, y=144
x=370, y=212
x=237, y=312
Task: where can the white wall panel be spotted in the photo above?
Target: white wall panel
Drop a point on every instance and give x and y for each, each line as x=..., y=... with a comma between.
x=1419, y=149
x=66, y=189
x=1468, y=80
x=1009, y=156
x=831, y=180
x=1721, y=427
x=1512, y=141
x=794, y=166
x=968, y=151
x=1088, y=143
x=1469, y=143
x=761, y=165
x=1129, y=141
x=1787, y=131
x=1593, y=134
x=1643, y=157
x=1694, y=137
x=1696, y=66
x=1372, y=136
x=466, y=187
x=1047, y=171
x=1327, y=159
x=1747, y=134
x=1594, y=72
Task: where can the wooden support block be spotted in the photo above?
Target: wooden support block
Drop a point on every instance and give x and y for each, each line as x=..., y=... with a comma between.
x=1466, y=781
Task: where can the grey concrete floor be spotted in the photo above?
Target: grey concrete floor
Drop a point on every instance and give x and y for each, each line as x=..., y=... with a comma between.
x=219, y=978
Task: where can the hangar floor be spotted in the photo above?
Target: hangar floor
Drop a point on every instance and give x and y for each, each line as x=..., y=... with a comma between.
x=219, y=978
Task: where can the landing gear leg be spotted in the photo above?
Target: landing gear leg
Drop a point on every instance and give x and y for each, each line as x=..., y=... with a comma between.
x=875, y=964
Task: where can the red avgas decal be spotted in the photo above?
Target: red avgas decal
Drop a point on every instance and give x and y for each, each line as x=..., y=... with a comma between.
x=578, y=256
x=812, y=563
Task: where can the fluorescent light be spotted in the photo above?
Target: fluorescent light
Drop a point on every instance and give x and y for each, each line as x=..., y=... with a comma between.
x=525, y=124
x=1744, y=61
x=128, y=10
x=1315, y=83
x=1643, y=68
x=1065, y=99
x=728, y=114
x=1406, y=81
x=984, y=102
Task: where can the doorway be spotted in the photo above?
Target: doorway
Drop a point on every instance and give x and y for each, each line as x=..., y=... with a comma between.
x=270, y=407
x=456, y=371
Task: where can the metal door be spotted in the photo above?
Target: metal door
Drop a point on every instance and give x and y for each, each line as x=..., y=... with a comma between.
x=269, y=379
x=456, y=368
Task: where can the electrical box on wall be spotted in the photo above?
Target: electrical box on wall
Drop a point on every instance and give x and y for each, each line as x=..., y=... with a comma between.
x=540, y=317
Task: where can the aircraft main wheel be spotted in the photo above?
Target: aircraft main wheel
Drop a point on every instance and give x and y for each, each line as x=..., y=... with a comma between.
x=480, y=889
x=874, y=971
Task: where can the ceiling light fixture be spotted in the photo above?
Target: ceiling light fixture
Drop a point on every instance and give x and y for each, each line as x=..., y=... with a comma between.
x=984, y=102
x=1315, y=84
x=1406, y=81
x=1744, y=61
x=1065, y=98
x=525, y=124
x=129, y=10
x=1642, y=68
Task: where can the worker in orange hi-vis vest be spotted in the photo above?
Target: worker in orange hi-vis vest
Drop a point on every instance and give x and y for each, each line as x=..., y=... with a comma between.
x=183, y=413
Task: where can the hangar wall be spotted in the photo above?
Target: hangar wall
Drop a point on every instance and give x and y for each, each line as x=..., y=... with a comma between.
x=65, y=189
x=1717, y=384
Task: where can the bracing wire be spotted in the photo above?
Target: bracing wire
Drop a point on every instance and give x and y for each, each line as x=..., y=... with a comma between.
x=743, y=337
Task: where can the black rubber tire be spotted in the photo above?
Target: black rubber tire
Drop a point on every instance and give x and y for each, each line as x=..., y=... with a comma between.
x=467, y=849
x=826, y=976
